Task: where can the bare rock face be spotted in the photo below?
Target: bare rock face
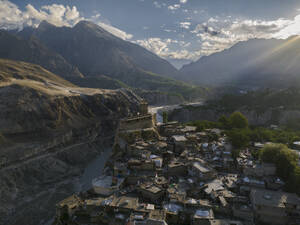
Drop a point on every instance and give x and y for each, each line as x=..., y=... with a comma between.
x=50, y=130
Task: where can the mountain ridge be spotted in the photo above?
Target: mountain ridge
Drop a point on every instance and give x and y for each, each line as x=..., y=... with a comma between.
x=258, y=62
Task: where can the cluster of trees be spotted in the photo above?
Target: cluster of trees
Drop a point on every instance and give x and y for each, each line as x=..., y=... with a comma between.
x=233, y=125
x=235, y=120
x=240, y=133
x=286, y=164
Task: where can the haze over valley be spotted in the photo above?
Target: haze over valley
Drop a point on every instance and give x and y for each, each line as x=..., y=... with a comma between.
x=149, y=112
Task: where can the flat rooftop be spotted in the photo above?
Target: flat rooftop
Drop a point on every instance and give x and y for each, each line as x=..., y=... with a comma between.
x=273, y=198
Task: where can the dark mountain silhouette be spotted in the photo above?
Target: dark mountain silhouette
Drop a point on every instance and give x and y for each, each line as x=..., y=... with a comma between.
x=95, y=51
x=253, y=63
x=108, y=61
x=33, y=51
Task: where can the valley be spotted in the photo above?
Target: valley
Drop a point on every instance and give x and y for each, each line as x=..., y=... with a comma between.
x=97, y=126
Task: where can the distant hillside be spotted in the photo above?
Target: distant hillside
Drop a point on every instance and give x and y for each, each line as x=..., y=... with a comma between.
x=97, y=52
x=254, y=63
x=33, y=51
x=110, y=62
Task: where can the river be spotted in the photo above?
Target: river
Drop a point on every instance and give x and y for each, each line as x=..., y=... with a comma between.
x=93, y=170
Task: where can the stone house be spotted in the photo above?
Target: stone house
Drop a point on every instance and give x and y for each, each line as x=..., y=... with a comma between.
x=151, y=192
x=274, y=207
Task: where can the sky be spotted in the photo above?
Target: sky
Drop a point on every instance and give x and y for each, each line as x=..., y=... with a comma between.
x=180, y=31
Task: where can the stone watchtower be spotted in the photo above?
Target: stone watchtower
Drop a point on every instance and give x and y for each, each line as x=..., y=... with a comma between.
x=143, y=110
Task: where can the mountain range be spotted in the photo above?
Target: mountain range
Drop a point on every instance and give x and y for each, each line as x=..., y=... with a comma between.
x=257, y=63
x=89, y=56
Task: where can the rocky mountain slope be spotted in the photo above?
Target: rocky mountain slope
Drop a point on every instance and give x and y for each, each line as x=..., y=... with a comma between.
x=96, y=51
x=254, y=63
x=110, y=62
x=33, y=51
x=50, y=130
x=262, y=108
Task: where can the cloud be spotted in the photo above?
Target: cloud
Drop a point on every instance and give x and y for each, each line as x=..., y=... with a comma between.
x=216, y=35
x=183, y=1
x=115, y=31
x=159, y=5
x=292, y=28
x=167, y=48
x=174, y=7
x=157, y=45
x=11, y=17
x=185, y=25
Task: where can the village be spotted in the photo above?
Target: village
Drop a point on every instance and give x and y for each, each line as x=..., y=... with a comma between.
x=169, y=173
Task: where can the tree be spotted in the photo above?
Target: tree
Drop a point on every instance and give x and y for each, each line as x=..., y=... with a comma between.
x=238, y=137
x=224, y=121
x=165, y=117
x=238, y=120
x=284, y=159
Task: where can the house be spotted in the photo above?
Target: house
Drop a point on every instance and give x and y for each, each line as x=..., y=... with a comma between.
x=274, y=207
x=274, y=183
x=243, y=211
x=179, y=142
x=248, y=183
x=173, y=211
x=155, y=217
x=66, y=208
x=124, y=204
x=202, y=217
x=191, y=203
x=202, y=171
x=106, y=185
x=150, y=191
x=120, y=169
x=176, y=168
x=260, y=170
x=188, y=129
x=157, y=160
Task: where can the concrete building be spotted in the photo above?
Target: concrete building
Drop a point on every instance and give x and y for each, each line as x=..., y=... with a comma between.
x=202, y=217
x=106, y=185
x=274, y=207
x=203, y=172
x=151, y=192
x=179, y=142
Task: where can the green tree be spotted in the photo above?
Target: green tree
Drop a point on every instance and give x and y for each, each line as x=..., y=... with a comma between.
x=238, y=137
x=284, y=159
x=224, y=121
x=269, y=153
x=165, y=117
x=238, y=120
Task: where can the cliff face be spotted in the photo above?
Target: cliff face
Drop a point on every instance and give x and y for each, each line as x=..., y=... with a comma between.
x=160, y=98
x=279, y=116
x=50, y=131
